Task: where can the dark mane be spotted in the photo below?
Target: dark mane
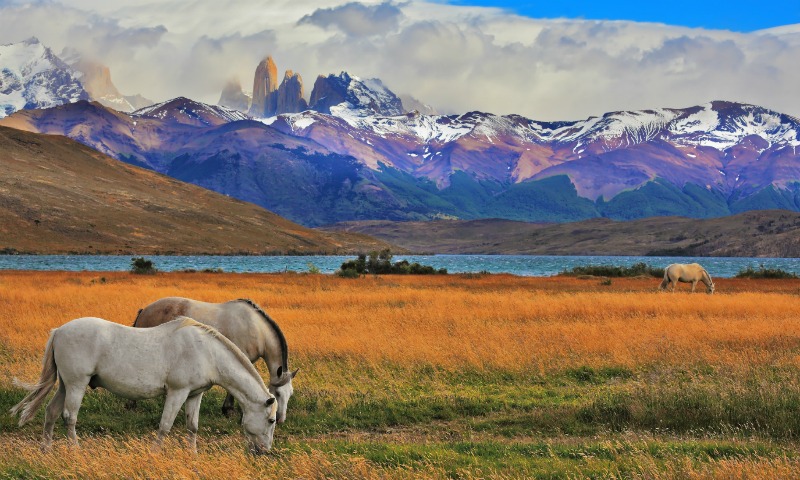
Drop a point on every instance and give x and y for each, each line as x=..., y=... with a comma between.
x=278, y=332
x=138, y=314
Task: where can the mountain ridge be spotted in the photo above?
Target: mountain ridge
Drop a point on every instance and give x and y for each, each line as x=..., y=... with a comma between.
x=623, y=165
x=767, y=233
x=59, y=196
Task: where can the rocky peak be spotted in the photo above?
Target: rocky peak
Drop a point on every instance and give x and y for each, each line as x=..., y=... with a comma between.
x=233, y=97
x=265, y=83
x=96, y=79
x=344, y=92
x=290, y=94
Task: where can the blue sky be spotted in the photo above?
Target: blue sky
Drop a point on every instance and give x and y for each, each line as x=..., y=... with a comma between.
x=735, y=15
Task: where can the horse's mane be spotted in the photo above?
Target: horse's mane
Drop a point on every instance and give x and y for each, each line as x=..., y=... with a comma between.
x=274, y=325
x=708, y=275
x=206, y=329
x=138, y=314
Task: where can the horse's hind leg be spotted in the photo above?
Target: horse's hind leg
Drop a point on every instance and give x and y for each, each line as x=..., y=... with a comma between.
x=192, y=408
x=72, y=403
x=54, y=409
x=227, y=405
x=172, y=406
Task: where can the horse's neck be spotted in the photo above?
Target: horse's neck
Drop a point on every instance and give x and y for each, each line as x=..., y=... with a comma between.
x=705, y=278
x=234, y=376
x=273, y=355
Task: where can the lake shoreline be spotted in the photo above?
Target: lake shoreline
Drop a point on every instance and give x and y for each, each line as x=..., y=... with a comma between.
x=520, y=265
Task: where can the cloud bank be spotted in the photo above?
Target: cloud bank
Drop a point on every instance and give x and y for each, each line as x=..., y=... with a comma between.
x=455, y=58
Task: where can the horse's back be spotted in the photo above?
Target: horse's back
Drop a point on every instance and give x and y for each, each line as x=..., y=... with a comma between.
x=131, y=362
x=79, y=343
x=237, y=320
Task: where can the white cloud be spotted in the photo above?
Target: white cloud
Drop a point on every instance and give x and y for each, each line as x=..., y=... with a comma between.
x=455, y=58
x=357, y=19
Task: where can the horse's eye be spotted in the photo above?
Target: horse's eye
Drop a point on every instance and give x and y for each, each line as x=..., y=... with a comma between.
x=271, y=420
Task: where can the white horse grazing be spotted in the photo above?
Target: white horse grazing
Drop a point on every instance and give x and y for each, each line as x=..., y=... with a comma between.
x=687, y=273
x=246, y=325
x=181, y=359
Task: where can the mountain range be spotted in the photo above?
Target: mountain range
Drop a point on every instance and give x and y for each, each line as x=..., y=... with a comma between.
x=355, y=153
x=32, y=76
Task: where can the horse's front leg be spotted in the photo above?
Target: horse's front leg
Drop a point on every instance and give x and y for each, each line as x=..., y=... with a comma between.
x=192, y=408
x=694, y=284
x=172, y=405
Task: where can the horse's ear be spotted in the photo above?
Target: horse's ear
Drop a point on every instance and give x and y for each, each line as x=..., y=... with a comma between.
x=279, y=373
x=295, y=372
x=270, y=401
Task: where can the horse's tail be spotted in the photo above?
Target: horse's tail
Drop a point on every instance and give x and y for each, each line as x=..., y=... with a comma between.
x=138, y=314
x=38, y=392
x=664, y=282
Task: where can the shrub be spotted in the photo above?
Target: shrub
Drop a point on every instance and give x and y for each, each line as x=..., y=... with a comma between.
x=381, y=263
x=348, y=273
x=634, y=270
x=764, y=272
x=142, y=266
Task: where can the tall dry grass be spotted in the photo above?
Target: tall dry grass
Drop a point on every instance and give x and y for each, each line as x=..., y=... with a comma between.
x=450, y=322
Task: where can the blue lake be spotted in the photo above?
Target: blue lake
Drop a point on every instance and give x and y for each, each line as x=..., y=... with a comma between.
x=526, y=265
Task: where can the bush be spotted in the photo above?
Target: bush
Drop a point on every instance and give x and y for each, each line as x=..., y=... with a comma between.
x=381, y=263
x=142, y=266
x=764, y=272
x=634, y=270
x=348, y=273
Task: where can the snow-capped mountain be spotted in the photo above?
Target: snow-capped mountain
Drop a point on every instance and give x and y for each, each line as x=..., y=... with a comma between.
x=349, y=97
x=709, y=160
x=31, y=76
x=189, y=112
x=702, y=141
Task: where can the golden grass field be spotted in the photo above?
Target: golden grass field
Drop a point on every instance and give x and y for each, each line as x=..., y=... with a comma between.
x=506, y=358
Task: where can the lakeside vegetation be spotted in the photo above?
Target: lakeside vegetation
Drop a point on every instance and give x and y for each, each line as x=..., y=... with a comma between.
x=635, y=270
x=462, y=376
x=380, y=263
x=765, y=272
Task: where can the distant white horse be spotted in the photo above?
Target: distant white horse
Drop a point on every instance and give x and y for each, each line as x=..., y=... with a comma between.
x=687, y=273
x=246, y=325
x=181, y=359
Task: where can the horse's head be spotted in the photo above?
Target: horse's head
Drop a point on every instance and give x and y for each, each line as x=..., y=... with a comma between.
x=283, y=390
x=710, y=288
x=259, y=425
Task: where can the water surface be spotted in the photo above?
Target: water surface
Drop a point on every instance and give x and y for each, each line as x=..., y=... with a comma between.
x=526, y=265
